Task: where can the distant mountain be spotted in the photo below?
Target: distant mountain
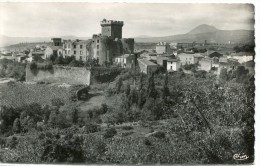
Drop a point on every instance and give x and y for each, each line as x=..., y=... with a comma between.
x=6, y=40
x=205, y=32
x=203, y=28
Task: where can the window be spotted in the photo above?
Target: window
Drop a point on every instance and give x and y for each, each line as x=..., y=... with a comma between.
x=97, y=46
x=80, y=52
x=74, y=46
x=97, y=53
x=171, y=67
x=171, y=62
x=65, y=51
x=80, y=57
x=68, y=51
x=75, y=52
x=80, y=46
x=97, y=41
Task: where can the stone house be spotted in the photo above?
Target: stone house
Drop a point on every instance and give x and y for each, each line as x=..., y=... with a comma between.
x=163, y=48
x=242, y=57
x=212, y=54
x=80, y=49
x=173, y=65
x=231, y=64
x=67, y=48
x=147, y=66
x=205, y=64
x=126, y=60
x=186, y=58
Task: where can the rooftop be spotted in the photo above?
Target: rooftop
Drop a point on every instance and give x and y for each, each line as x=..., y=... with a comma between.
x=147, y=62
x=173, y=60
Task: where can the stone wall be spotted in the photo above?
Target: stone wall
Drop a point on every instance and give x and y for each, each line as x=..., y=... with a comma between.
x=59, y=74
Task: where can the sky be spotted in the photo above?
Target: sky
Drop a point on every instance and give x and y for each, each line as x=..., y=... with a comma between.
x=83, y=19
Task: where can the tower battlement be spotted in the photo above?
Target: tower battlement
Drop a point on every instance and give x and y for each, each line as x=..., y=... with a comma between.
x=105, y=22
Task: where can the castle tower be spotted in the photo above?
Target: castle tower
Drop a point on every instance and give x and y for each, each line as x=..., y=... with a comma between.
x=112, y=28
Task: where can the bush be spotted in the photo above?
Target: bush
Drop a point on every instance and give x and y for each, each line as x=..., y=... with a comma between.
x=91, y=128
x=147, y=142
x=127, y=127
x=33, y=66
x=111, y=132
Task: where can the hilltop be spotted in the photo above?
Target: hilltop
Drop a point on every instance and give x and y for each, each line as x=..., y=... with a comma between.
x=205, y=32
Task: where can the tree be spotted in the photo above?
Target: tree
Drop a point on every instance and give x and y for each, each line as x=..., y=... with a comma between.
x=59, y=60
x=166, y=91
x=223, y=76
x=140, y=94
x=128, y=89
x=151, y=91
x=119, y=85
x=16, y=126
x=75, y=116
x=241, y=74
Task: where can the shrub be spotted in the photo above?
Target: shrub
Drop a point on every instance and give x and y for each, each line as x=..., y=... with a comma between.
x=111, y=132
x=91, y=128
x=147, y=142
x=33, y=66
x=127, y=127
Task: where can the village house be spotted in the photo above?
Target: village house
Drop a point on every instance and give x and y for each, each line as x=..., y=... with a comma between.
x=147, y=66
x=231, y=64
x=162, y=59
x=186, y=58
x=149, y=56
x=205, y=64
x=163, y=48
x=81, y=49
x=52, y=50
x=67, y=48
x=173, y=65
x=242, y=56
x=126, y=60
x=215, y=62
x=212, y=54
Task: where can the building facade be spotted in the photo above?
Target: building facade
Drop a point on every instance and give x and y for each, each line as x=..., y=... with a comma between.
x=205, y=64
x=163, y=48
x=189, y=58
x=146, y=66
x=173, y=65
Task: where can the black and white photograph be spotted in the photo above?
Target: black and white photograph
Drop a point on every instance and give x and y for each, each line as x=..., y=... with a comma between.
x=127, y=83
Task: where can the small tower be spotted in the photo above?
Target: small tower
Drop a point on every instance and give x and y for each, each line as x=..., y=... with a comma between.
x=112, y=28
x=56, y=42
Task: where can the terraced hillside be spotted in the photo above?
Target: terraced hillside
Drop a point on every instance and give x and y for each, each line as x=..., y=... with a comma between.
x=16, y=94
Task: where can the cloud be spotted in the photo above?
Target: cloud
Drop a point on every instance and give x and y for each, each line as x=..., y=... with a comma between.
x=82, y=19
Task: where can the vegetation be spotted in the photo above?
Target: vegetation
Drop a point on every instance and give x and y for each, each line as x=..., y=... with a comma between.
x=146, y=119
x=10, y=69
x=244, y=48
